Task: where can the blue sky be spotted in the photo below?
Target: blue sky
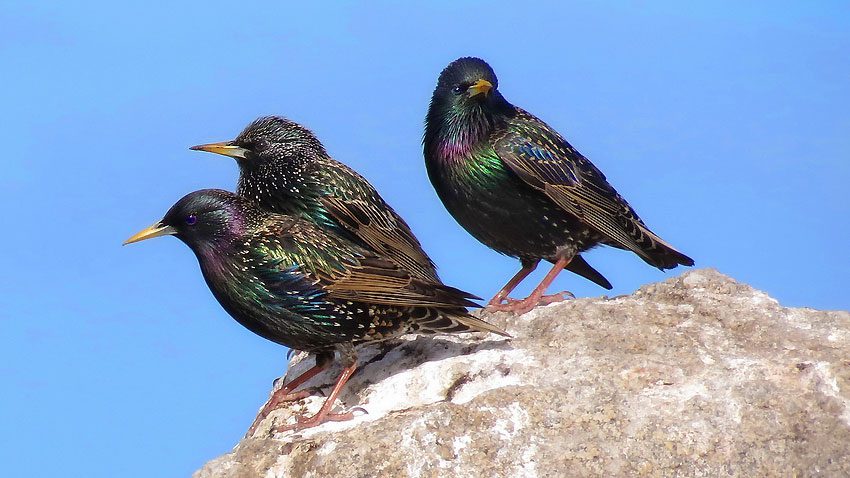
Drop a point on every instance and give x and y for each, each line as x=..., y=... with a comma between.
x=725, y=125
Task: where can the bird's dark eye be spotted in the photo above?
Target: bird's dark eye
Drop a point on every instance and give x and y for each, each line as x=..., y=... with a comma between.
x=458, y=89
x=259, y=145
x=191, y=219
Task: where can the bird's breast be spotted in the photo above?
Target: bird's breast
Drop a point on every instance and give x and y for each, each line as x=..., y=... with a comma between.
x=496, y=207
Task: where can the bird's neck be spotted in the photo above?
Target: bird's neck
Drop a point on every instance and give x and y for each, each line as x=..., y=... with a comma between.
x=283, y=188
x=213, y=256
x=459, y=154
x=456, y=135
x=223, y=270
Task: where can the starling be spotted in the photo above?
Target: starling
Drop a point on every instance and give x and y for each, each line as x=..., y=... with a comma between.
x=285, y=168
x=298, y=285
x=519, y=187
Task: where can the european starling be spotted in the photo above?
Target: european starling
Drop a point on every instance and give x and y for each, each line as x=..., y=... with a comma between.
x=286, y=169
x=296, y=284
x=519, y=187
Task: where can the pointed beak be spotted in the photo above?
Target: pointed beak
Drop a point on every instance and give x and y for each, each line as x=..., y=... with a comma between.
x=225, y=148
x=158, y=229
x=480, y=86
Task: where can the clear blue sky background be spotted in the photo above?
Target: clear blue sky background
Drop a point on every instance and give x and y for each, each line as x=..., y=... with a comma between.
x=726, y=126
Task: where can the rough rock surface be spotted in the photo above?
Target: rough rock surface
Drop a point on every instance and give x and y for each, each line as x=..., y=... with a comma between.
x=695, y=376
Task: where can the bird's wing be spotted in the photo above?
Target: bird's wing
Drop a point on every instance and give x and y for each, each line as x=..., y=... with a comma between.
x=546, y=161
x=345, y=271
x=382, y=230
x=361, y=210
x=373, y=279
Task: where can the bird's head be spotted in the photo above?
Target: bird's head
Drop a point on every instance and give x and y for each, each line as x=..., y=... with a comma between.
x=467, y=85
x=205, y=220
x=266, y=141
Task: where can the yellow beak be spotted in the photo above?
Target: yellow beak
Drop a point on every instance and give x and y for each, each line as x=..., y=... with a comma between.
x=480, y=86
x=224, y=148
x=158, y=229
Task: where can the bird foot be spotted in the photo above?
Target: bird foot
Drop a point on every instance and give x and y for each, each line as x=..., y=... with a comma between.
x=559, y=297
x=302, y=422
x=277, y=399
x=520, y=307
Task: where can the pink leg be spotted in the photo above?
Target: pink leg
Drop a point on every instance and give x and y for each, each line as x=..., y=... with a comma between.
x=536, y=297
x=527, y=268
x=286, y=394
x=324, y=414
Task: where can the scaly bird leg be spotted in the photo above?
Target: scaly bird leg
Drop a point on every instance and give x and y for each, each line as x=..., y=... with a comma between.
x=286, y=393
x=324, y=414
x=536, y=297
x=527, y=268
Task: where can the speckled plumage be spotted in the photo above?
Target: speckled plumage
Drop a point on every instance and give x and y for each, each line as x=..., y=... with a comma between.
x=295, y=284
x=298, y=284
x=286, y=169
x=518, y=186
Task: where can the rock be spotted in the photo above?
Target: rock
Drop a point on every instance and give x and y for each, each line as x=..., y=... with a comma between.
x=695, y=376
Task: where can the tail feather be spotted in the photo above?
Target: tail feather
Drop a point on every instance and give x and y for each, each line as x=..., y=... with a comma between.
x=444, y=294
x=662, y=255
x=478, y=325
x=579, y=266
x=455, y=321
x=670, y=258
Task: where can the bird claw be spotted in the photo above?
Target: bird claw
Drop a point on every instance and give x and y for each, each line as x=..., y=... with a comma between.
x=518, y=307
x=276, y=401
x=558, y=297
x=522, y=306
x=302, y=422
x=546, y=299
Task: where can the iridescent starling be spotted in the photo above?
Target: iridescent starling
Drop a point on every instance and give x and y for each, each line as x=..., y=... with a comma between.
x=286, y=169
x=519, y=187
x=296, y=284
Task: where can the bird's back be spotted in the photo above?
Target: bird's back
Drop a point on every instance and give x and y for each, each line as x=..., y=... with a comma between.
x=297, y=284
x=334, y=196
x=358, y=207
x=544, y=160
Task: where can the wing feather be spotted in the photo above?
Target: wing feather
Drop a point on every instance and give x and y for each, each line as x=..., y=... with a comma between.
x=346, y=271
x=543, y=159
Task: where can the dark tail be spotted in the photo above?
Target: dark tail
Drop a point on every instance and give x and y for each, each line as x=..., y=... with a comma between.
x=657, y=252
x=663, y=256
x=579, y=266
